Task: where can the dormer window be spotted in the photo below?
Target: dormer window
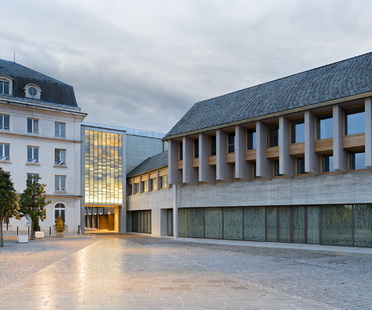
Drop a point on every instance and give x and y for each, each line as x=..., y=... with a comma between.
x=5, y=85
x=32, y=91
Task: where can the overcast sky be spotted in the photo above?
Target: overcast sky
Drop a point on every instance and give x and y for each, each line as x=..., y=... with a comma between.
x=143, y=63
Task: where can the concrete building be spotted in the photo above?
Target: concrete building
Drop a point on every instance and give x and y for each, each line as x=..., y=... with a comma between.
x=284, y=161
x=40, y=136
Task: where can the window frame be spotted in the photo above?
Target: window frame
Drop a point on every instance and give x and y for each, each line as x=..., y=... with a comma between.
x=353, y=111
x=5, y=80
x=4, y=152
x=32, y=125
x=352, y=161
x=58, y=131
x=302, y=166
x=60, y=183
x=33, y=159
x=294, y=136
x=251, y=139
x=213, y=145
x=324, y=160
x=273, y=140
x=196, y=148
x=32, y=176
x=5, y=118
x=59, y=207
x=153, y=185
x=320, y=118
x=231, y=142
x=59, y=159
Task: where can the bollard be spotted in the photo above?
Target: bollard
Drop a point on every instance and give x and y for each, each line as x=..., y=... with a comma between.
x=78, y=229
x=17, y=230
x=28, y=230
x=50, y=231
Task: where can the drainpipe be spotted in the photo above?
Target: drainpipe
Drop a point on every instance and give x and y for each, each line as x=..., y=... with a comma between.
x=175, y=211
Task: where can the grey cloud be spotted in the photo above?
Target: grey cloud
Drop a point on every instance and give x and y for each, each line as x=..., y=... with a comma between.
x=142, y=64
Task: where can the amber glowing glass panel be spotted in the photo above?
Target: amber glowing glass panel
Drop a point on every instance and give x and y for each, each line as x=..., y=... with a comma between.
x=103, y=167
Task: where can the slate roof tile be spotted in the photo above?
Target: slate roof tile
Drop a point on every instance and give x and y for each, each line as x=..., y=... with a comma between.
x=338, y=80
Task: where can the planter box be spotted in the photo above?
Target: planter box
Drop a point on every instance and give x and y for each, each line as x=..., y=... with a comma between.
x=23, y=238
x=39, y=235
x=59, y=234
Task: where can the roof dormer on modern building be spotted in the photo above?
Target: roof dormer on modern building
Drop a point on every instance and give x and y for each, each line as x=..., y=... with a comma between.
x=40, y=136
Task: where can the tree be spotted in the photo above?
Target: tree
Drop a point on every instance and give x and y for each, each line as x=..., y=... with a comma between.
x=32, y=203
x=8, y=201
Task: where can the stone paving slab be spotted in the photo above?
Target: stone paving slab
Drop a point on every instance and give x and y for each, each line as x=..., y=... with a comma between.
x=139, y=273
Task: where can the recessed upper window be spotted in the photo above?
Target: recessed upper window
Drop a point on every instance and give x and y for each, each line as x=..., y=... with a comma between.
x=273, y=135
x=298, y=131
x=325, y=126
x=5, y=85
x=354, y=121
x=32, y=91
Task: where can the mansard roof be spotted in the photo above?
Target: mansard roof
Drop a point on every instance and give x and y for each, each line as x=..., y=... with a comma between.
x=53, y=91
x=342, y=79
x=155, y=162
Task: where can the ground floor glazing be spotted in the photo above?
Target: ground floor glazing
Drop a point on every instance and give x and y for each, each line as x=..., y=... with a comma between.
x=348, y=225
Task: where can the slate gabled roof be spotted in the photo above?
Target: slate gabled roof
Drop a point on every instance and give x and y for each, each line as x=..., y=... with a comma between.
x=338, y=80
x=53, y=91
x=157, y=161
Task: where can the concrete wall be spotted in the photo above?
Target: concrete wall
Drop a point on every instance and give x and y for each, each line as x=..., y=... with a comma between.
x=353, y=188
x=139, y=148
x=156, y=201
x=333, y=188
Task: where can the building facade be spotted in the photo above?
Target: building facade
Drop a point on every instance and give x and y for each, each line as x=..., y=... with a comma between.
x=40, y=136
x=108, y=153
x=284, y=161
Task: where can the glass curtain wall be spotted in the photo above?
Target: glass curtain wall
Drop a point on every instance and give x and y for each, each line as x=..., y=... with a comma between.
x=103, y=167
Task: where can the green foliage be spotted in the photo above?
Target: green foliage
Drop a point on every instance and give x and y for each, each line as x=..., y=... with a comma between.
x=8, y=200
x=32, y=203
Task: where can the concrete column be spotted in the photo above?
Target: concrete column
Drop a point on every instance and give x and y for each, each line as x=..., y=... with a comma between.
x=339, y=154
x=224, y=171
x=140, y=184
x=263, y=165
x=174, y=174
x=189, y=173
x=243, y=170
x=368, y=133
x=286, y=162
x=157, y=180
x=175, y=211
x=207, y=173
x=311, y=158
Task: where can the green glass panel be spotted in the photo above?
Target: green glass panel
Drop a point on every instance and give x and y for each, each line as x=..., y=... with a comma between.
x=182, y=222
x=337, y=225
x=299, y=224
x=195, y=223
x=170, y=222
x=233, y=223
x=313, y=225
x=213, y=223
x=271, y=223
x=254, y=223
x=363, y=225
x=284, y=224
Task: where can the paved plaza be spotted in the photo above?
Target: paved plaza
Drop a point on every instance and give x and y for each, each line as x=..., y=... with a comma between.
x=140, y=272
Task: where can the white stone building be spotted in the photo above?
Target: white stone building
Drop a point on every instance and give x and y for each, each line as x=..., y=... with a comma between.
x=40, y=135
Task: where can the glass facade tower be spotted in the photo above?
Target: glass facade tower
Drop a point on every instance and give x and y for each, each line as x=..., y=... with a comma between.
x=103, y=168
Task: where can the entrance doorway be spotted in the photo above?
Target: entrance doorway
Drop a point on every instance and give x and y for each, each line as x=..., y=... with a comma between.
x=101, y=219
